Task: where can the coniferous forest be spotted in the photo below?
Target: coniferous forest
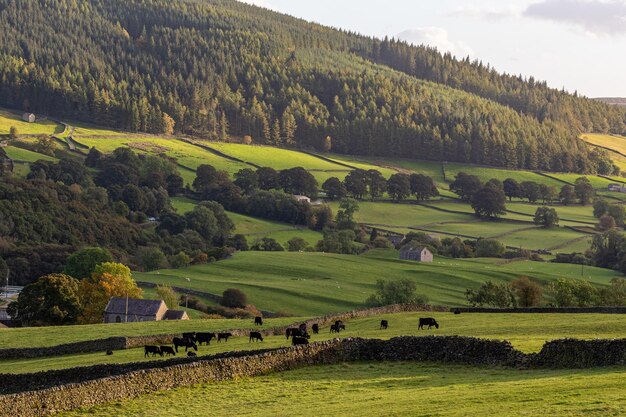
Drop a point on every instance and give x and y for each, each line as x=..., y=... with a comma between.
x=219, y=68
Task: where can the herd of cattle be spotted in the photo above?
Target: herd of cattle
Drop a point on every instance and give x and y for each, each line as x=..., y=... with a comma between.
x=299, y=336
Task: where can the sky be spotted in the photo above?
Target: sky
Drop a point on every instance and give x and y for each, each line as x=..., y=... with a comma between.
x=579, y=45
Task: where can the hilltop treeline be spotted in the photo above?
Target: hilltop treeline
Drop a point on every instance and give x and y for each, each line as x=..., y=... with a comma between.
x=220, y=68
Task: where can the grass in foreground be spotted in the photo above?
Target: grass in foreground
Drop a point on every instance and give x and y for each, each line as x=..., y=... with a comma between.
x=526, y=332
x=391, y=389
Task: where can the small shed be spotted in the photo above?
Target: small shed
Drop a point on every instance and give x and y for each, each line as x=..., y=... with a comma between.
x=302, y=198
x=416, y=253
x=29, y=117
x=176, y=315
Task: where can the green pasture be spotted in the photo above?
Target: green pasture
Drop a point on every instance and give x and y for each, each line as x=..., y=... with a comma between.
x=402, y=215
x=254, y=228
x=321, y=283
x=597, y=182
x=9, y=119
x=526, y=332
x=614, y=142
x=487, y=173
x=186, y=154
x=56, y=335
x=24, y=155
x=277, y=158
x=391, y=389
x=576, y=212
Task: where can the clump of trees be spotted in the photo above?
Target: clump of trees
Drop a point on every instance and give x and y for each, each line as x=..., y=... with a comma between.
x=521, y=292
x=400, y=291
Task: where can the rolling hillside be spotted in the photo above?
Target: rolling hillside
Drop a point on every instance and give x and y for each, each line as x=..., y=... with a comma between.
x=333, y=283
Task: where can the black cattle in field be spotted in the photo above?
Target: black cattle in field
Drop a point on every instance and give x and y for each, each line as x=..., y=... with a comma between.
x=109, y=352
x=258, y=321
x=302, y=328
x=191, y=354
x=297, y=340
x=205, y=338
x=256, y=336
x=428, y=321
x=384, y=324
x=339, y=326
x=190, y=335
x=457, y=311
x=223, y=336
x=154, y=350
x=167, y=350
x=293, y=332
x=334, y=328
x=315, y=328
x=181, y=341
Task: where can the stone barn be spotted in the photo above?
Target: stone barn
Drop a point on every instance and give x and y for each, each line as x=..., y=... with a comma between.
x=416, y=253
x=29, y=117
x=118, y=311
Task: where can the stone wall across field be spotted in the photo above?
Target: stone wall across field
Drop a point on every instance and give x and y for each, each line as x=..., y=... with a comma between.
x=49, y=392
x=117, y=343
x=568, y=310
x=80, y=387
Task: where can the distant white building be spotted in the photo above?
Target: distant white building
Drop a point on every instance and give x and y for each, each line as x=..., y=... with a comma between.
x=302, y=198
x=618, y=188
x=29, y=117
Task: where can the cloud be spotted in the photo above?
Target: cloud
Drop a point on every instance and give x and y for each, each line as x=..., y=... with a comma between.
x=437, y=37
x=596, y=17
x=488, y=13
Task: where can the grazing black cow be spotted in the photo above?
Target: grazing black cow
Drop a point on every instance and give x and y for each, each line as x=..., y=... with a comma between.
x=297, y=340
x=224, y=336
x=258, y=321
x=334, y=329
x=168, y=350
x=293, y=332
x=109, y=352
x=339, y=326
x=428, y=321
x=191, y=353
x=315, y=328
x=205, y=338
x=457, y=311
x=178, y=341
x=154, y=350
x=384, y=324
x=302, y=328
x=256, y=336
x=190, y=335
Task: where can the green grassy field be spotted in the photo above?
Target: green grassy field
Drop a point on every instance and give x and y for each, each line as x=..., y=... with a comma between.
x=333, y=283
x=24, y=155
x=254, y=228
x=526, y=332
x=9, y=119
x=402, y=215
x=487, y=173
x=392, y=389
x=56, y=335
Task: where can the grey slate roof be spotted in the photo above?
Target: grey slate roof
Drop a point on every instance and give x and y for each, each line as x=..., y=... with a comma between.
x=136, y=307
x=174, y=315
x=412, y=248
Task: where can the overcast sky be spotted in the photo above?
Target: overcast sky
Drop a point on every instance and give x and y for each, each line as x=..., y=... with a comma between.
x=576, y=44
